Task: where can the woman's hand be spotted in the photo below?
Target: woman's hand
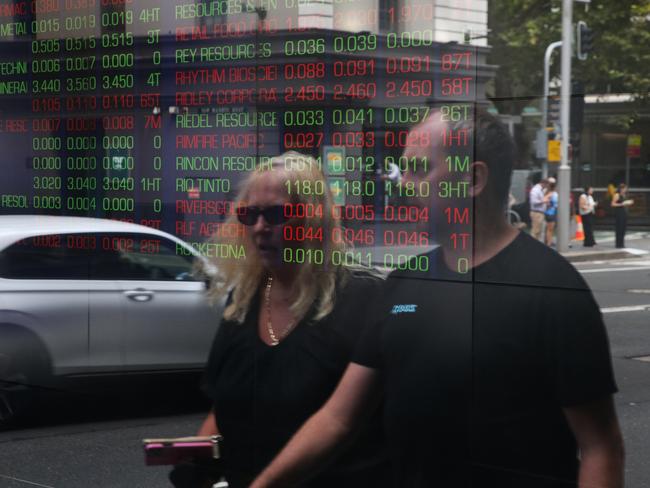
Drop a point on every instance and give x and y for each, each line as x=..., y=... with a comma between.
x=584, y=204
x=209, y=425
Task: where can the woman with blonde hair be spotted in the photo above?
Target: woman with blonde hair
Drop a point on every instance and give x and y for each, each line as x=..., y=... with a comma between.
x=291, y=322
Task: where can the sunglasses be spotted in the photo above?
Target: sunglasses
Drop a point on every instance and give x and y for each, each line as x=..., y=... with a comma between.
x=273, y=215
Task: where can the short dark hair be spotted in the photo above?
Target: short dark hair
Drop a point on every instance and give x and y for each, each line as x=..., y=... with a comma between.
x=494, y=146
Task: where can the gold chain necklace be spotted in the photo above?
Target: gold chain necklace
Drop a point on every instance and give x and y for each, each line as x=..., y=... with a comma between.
x=275, y=340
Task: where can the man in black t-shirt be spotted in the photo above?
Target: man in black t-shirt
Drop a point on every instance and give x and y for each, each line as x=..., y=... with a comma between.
x=491, y=356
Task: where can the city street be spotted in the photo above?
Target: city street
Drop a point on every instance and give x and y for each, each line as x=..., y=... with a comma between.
x=97, y=444
x=622, y=289
x=170, y=166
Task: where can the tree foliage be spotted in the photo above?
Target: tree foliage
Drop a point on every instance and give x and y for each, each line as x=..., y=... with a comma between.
x=522, y=29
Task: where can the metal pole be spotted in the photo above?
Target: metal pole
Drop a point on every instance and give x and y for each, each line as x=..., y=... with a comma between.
x=547, y=68
x=564, y=173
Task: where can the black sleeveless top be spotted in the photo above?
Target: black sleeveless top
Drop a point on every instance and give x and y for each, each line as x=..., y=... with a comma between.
x=262, y=394
x=620, y=199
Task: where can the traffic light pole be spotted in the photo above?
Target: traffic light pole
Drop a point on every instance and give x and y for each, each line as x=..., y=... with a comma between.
x=547, y=70
x=564, y=173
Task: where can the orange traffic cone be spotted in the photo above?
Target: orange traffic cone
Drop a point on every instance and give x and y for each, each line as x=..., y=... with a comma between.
x=580, y=232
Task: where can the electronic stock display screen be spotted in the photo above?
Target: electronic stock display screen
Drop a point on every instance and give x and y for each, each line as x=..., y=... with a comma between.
x=153, y=112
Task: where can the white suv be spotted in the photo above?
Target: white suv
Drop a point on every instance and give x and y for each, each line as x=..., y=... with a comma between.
x=80, y=296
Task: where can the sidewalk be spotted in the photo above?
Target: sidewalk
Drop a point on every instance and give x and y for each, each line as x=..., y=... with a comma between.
x=637, y=245
x=637, y=242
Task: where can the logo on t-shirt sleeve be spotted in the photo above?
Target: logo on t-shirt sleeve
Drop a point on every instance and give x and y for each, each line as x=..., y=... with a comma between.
x=404, y=308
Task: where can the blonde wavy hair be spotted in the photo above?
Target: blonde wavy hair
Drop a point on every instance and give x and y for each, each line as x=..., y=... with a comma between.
x=314, y=284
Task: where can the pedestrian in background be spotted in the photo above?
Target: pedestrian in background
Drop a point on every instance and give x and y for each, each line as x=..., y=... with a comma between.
x=620, y=202
x=537, y=208
x=611, y=191
x=550, y=213
x=587, y=210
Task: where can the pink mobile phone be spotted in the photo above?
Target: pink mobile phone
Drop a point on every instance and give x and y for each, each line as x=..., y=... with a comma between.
x=176, y=450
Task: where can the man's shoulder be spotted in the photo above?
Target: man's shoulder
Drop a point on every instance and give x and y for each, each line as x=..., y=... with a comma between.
x=523, y=262
x=360, y=281
x=528, y=262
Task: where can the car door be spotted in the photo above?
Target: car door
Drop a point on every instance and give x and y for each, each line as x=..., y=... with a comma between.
x=45, y=288
x=168, y=322
x=106, y=309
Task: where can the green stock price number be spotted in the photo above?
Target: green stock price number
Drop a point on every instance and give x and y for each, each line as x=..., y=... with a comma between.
x=46, y=182
x=118, y=204
x=80, y=204
x=81, y=183
x=408, y=189
x=355, y=188
x=116, y=184
x=46, y=202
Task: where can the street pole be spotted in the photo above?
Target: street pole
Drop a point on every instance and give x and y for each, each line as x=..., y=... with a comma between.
x=261, y=15
x=547, y=69
x=564, y=173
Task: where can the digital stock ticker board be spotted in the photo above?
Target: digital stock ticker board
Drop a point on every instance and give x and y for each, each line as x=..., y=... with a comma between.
x=153, y=112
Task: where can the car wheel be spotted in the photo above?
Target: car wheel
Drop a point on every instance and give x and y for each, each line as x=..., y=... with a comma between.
x=23, y=366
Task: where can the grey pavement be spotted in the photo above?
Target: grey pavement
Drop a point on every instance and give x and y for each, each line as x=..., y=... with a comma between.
x=622, y=289
x=633, y=407
x=637, y=245
x=100, y=454
x=95, y=441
